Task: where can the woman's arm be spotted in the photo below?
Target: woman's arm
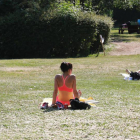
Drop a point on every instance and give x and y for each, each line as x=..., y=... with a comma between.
x=76, y=94
x=55, y=91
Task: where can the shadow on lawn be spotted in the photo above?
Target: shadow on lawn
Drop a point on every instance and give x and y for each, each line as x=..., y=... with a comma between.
x=138, y=35
x=124, y=37
x=49, y=109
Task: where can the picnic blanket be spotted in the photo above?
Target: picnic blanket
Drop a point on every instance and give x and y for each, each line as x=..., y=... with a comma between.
x=89, y=100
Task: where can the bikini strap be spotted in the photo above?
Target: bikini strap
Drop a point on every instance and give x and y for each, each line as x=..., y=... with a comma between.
x=64, y=79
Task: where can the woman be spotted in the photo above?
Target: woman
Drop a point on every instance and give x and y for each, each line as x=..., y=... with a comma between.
x=66, y=85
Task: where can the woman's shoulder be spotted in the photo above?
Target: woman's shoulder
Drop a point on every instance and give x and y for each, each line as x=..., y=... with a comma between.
x=58, y=75
x=72, y=76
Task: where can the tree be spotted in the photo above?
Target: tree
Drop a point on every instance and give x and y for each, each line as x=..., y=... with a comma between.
x=10, y=6
x=103, y=6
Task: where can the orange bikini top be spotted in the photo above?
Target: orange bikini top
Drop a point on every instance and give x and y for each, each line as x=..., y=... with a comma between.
x=64, y=87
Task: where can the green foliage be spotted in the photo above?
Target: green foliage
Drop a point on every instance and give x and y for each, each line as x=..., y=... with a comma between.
x=104, y=25
x=10, y=6
x=6, y=6
x=105, y=7
x=61, y=32
x=20, y=35
x=126, y=15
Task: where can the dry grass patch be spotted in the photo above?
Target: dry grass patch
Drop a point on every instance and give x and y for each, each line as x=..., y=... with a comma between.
x=126, y=48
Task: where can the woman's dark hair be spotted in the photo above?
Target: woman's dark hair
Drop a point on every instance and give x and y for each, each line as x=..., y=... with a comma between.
x=65, y=66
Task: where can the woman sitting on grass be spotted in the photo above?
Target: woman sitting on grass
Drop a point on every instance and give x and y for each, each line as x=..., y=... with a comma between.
x=66, y=85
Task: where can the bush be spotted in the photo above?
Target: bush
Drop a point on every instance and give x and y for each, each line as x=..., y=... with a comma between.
x=6, y=7
x=61, y=32
x=21, y=36
x=104, y=25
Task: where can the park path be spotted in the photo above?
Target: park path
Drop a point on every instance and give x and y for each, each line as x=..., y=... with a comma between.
x=125, y=48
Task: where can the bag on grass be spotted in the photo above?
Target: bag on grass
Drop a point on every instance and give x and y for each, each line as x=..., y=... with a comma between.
x=60, y=106
x=76, y=104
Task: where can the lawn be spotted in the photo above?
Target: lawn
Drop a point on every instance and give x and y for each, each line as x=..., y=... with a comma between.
x=25, y=82
x=125, y=37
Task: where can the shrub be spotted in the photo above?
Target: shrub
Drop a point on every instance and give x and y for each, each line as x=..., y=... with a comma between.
x=104, y=25
x=72, y=32
x=61, y=32
x=20, y=36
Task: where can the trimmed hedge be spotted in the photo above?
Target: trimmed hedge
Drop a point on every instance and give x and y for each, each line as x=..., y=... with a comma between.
x=104, y=25
x=56, y=34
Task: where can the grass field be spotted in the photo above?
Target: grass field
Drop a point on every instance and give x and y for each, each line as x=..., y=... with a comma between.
x=125, y=37
x=25, y=82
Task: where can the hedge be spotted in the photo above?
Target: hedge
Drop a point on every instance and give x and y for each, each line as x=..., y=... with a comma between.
x=54, y=34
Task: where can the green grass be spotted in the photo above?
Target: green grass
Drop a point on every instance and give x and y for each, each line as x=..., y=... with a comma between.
x=125, y=37
x=25, y=82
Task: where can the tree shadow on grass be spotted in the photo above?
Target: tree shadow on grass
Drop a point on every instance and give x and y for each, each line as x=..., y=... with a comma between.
x=124, y=37
x=137, y=36
x=117, y=38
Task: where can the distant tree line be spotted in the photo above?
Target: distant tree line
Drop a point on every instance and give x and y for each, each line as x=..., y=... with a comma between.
x=111, y=8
